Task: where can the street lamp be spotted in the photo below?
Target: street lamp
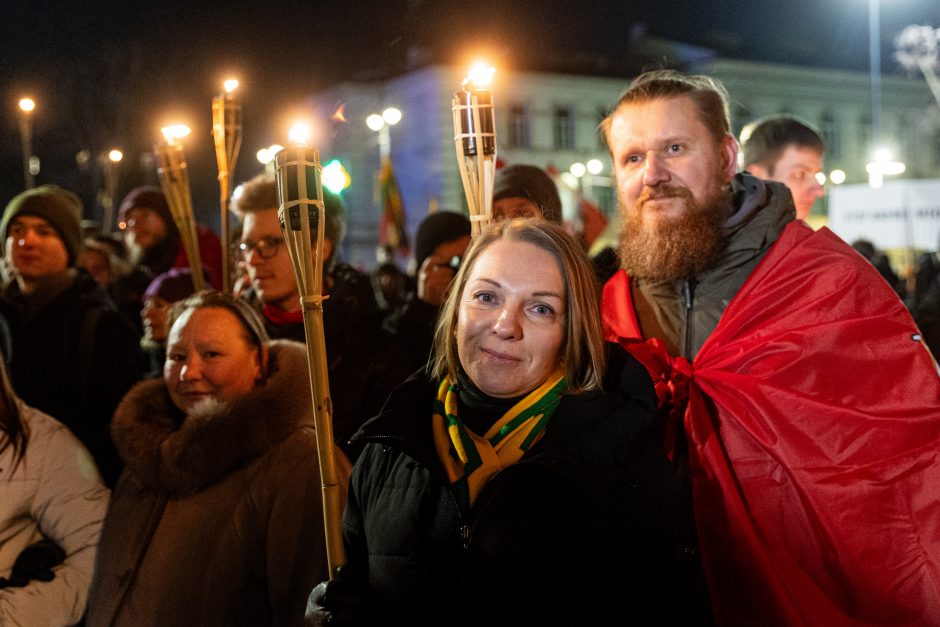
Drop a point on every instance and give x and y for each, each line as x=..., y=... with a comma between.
x=110, y=185
x=881, y=165
x=27, y=106
x=266, y=156
x=381, y=124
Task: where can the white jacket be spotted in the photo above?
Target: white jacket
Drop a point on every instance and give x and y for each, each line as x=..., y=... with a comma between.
x=55, y=491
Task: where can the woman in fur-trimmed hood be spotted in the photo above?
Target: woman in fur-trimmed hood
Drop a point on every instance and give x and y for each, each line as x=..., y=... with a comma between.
x=217, y=517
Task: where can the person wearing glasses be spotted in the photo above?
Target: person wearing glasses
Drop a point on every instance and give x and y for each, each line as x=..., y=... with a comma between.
x=365, y=363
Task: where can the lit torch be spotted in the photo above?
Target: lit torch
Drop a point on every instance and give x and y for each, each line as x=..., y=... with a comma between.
x=227, y=131
x=174, y=179
x=301, y=214
x=475, y=141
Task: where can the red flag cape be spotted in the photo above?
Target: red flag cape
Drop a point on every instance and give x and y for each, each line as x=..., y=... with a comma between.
x=813, y=419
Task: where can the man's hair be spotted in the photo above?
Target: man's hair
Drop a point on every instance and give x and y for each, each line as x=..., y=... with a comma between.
x=764, y=140
x=583, y=350
x=708, y=95
x=260, y=193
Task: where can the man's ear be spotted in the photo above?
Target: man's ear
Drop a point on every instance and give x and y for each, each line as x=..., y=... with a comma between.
x=729, y=153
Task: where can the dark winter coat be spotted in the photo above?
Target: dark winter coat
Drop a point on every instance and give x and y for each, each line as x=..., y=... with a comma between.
x=365, y=362
x=580, y=531
x=74, y=358
x=217, y=518
x=413, y=324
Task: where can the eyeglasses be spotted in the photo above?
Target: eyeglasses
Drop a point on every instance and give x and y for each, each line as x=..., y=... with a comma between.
x=266, y=246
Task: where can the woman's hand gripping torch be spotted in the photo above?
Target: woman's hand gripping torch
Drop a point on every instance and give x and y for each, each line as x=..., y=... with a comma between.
x=174, y=179
x=475, y=140
x=227, y=132
x=301, y=214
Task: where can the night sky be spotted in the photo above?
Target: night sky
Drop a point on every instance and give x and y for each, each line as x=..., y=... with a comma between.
x=111, y=73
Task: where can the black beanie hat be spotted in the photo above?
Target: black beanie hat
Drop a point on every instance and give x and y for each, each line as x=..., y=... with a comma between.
x=59, y=207
x=528, y=181
x=148, y=197
x=436, y=229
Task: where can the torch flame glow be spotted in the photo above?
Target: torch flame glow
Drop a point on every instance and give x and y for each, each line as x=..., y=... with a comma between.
x=174, y=132
x=230, y=85
x=480, y=76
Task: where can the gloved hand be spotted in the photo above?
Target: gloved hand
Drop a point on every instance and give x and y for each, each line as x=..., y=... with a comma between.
x=34, y=563
x=337, y=602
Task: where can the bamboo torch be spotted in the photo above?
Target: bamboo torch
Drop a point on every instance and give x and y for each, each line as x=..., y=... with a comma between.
x=301, y=214
x=227, y=132
x=475, y=141
x=174, y=179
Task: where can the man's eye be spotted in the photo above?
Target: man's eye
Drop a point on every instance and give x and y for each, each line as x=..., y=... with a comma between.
x=176, y=357
x=674, y=148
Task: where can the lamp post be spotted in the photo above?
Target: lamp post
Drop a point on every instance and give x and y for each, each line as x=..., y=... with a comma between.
x=26, y=108
x=381, y=124
x=265, y=157
x=110, y=187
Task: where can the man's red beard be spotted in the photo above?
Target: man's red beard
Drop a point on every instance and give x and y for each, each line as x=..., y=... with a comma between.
x=666, y=250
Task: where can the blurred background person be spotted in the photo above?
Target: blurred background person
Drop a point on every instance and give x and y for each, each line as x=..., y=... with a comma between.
x=163, y=292
x=154, y=243
x=217, y=518
x=52, y=505
x=525, y=191
x=504, y=487
x=881, y=263
x=365, y=361
x=789, y=151
x=69, y=352
x=440, y=244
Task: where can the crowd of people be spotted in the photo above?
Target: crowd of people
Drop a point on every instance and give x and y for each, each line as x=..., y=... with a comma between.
x=737, y=423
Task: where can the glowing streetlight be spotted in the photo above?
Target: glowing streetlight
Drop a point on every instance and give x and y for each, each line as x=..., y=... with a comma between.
x=27, y=106
x=837, y=177
x=110, y=165
x=335, y=176
x=266, y=156
x=595, y=166
x=578, y=169
x=881, y=165
x=380, y=123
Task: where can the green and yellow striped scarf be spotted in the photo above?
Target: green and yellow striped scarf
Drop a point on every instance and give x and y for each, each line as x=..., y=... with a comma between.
x=469, y=459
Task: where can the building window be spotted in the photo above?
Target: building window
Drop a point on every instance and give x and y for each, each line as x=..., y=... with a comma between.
x=829, y=127
x=518, y=127
x=563, y=124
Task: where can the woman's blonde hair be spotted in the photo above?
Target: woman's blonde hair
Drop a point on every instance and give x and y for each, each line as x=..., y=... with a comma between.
x=583, y=346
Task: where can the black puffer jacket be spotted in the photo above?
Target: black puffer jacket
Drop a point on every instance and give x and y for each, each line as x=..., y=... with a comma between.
x=582, y=529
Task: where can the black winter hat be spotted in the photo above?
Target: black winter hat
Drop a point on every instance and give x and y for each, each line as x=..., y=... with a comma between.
x=148, y=197
x=59, y=207
x=528, y=181
x=436, y=229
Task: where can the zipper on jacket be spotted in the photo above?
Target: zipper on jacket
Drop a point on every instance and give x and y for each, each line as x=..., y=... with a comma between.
x=688, y=291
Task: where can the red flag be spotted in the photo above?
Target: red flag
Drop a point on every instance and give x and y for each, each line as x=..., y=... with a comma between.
x=592, y=220
x=813, y=421
x=392, y=221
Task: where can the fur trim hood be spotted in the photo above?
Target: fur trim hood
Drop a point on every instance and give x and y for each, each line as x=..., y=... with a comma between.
x=171, y=451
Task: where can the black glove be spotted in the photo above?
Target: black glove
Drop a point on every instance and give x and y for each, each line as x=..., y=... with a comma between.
x=337, y=602
x=35, y=563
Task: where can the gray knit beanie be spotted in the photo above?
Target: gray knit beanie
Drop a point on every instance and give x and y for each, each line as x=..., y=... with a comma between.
x=59, y=207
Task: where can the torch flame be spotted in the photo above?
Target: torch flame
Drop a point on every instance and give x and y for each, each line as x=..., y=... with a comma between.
x=480, y=76
x=230, y=85
x=174, y=132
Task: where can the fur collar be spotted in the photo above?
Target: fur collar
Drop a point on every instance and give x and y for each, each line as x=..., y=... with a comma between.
x=183, y=454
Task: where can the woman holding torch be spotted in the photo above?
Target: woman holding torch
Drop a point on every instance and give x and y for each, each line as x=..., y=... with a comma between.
x=504, y=487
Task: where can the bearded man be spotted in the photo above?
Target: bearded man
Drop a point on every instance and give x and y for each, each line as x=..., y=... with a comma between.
x=794, y=387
